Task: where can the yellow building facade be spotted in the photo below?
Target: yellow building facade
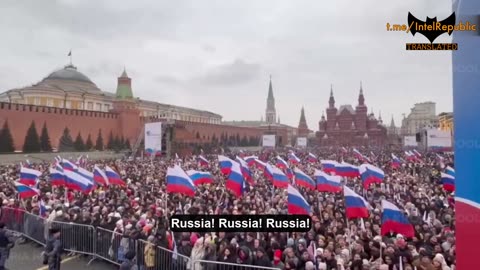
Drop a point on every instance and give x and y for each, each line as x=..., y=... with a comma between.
x=445, y=121
x=69, y=88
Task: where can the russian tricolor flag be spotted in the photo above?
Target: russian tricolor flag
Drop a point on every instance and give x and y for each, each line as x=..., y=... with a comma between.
x=449, y=170
x=281, y=163
x=56, y=177
x=235, y=180
x=225, y=164
x=42, y=209
x=355, y=205
x=328, y=183
x=393, y=220
x=293, y=158
x=297, y=205
x=289, y=173
x=396, y=163
x=370, y=175
x=268, y=172
x=179, y=182
x=416, y=153
x=329, y=166
x=29, y=176
x=346, y=170
x=260, y=164
x=360, y=156
x=26, y=165
x=247, y=174
x=200, y=178
x=68, y=166
x=303, y=180
x=76, y=181
x=312, y=158
x=448, y=182
x=409, y=156
x=99, y=176
x=278, y=178
x=250, y=160
x=113, y=177
x=203, y=161
x=25, y=191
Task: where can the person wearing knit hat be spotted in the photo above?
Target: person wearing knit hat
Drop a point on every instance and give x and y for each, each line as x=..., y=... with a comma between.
x=290, y=242
x=277, y=259
x=261, y=258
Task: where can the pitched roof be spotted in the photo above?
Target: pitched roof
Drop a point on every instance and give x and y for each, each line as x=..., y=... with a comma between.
x=349, y=108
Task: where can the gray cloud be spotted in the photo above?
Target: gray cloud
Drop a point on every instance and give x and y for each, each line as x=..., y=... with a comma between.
x=231, y=74
x=201, y=53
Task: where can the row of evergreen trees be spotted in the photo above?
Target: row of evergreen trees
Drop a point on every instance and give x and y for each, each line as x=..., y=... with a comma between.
x=232, y=140
x=34, y=143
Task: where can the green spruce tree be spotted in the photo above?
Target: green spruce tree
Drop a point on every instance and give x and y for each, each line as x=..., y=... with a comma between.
x=117, y=144
x=111, y=141
x=89, y=143
x=127, y=144
x=121, y=144
x=99, y=142
x=79, y=145
x=6, y=139
x=45, y=144
x=32, y=141
x=66, y=142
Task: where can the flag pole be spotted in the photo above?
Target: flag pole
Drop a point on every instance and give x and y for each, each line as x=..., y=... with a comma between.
x=166, y=204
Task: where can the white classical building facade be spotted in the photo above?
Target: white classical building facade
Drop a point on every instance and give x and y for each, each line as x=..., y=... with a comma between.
x=422, y=115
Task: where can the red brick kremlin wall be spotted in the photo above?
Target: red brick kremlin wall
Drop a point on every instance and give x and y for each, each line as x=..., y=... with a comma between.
x=20, y=116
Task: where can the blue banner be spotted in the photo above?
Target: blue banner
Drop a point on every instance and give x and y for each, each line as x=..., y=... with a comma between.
x=466, y=106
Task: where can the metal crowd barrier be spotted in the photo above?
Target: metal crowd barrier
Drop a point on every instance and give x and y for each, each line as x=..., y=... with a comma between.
x=108, y=245
x=214, y=265
x=35, y=228
x=77, y=238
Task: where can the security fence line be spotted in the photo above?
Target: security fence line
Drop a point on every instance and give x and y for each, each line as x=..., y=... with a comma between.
x=108, y=245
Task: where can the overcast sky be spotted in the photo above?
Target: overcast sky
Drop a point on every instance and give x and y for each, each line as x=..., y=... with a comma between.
x=218, y=55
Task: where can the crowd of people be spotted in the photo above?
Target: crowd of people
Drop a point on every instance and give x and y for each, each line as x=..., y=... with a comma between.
x=140, y=211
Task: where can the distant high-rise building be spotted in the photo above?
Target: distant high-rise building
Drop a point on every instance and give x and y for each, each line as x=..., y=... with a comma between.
x=270, y=113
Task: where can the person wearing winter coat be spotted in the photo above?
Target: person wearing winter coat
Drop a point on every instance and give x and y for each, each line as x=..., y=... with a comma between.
x=289, y=255
x=210, y=255
x=185, y=248
x=440, y=263
x=198, y=251
x=227, y=256
x=277, y=260
x=261, y=258
x=149, y=253
x=244, y=256
x=128, y=263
